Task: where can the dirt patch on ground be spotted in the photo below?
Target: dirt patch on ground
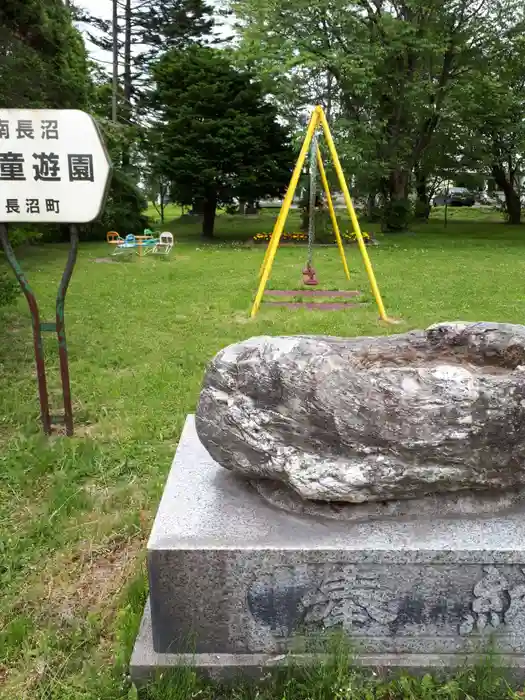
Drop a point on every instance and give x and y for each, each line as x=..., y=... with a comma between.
x=104, y=430
x=83, y=430
x=242, y=318
x=90, y=578
x=19, y=328
x=3, y=674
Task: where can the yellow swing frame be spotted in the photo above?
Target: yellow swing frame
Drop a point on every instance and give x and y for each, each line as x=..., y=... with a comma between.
x=317, y=119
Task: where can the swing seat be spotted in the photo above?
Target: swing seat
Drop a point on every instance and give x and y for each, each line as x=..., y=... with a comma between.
x=309, y=277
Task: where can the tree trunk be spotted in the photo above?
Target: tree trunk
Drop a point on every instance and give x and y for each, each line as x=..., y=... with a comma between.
x=329, y=79
x=305, y=220
x=209, y=211
x=397, y=213
x=305, y=214
x=251, y=207
x=513, y=206
x=242, y=206
x=197, y=207
x=371, y=210
x=163, y=191
x=512, y=200
x=127, y=76
x=399, y=180
x=422, y=210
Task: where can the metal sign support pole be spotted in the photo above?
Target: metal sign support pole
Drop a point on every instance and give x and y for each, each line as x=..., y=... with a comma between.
x=39, y=328
x=61, y=328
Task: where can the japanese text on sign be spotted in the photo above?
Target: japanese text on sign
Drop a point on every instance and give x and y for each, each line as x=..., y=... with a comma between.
x=46, y=167
x=44, y=175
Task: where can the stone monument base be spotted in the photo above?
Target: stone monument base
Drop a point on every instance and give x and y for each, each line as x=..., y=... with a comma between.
x=146, y=663
x=238, y=585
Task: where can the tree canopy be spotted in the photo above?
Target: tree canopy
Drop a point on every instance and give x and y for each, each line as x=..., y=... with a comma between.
x=220, y=137
x=172, y=24
x=44, y=64
x=43, y=58
x=400, y=72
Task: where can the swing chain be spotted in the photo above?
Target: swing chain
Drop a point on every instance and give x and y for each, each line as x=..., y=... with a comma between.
x=313, y=192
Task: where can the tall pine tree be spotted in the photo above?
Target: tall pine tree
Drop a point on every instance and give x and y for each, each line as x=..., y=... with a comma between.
x=146, y=29
x=220, y=138
x=172, y=24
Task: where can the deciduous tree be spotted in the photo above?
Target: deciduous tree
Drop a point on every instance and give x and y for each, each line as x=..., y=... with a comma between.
x=395, y=67
x=493, y=114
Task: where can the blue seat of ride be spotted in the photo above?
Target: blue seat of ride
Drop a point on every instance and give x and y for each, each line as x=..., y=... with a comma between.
x=129, y=242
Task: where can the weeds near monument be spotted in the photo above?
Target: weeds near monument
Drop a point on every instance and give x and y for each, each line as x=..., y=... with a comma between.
x=337, y=679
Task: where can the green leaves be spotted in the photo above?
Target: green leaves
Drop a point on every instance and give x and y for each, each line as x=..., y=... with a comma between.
x=219, y=136
x=41, y=47
x=172, y=24
x=401, y=74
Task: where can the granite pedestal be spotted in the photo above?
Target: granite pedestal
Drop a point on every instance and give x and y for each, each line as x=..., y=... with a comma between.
x=236, y=584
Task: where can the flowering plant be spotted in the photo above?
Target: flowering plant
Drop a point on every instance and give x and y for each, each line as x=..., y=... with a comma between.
x=297, y=237
x=301, y=237
x=350, y=237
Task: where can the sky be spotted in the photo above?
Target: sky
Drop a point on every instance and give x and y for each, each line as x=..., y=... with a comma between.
x=102, y=9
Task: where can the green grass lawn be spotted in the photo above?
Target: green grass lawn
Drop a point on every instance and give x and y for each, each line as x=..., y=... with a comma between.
x=75, y=513
x=171, y=211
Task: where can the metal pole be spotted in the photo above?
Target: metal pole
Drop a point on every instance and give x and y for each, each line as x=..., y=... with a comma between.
x=288, y=199
x=333, y=216
x=281, y=219
x=115, y=62
x=127, y=55
x=61, y=329
x=353, y=217
x=37, y=329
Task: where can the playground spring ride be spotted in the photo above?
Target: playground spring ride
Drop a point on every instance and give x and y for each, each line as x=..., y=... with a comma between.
x=310, y=144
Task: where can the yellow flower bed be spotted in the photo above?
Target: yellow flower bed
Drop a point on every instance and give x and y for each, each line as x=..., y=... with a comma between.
x=300, y=237
x=350, y=237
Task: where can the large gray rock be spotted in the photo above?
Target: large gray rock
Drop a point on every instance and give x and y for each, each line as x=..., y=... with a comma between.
x=372, y=419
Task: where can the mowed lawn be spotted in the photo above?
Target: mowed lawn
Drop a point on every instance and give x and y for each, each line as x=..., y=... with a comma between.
x=75, y=513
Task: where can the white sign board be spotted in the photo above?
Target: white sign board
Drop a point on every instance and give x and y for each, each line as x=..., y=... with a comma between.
x=53, y=166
